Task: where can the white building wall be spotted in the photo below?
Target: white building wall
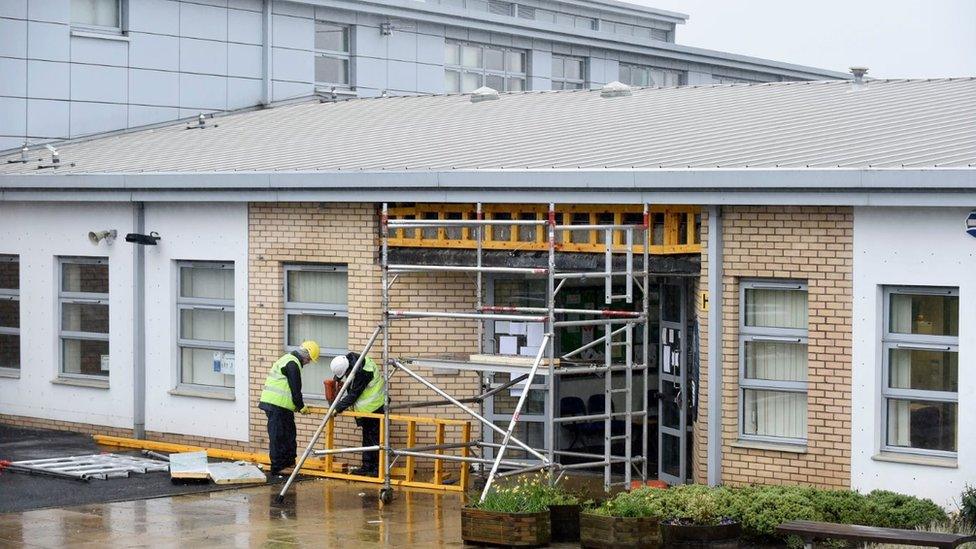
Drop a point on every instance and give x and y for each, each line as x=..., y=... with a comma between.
x=40, y=233
x=923, y=247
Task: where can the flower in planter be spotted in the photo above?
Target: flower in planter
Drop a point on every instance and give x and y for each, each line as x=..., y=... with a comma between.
x=526, y=494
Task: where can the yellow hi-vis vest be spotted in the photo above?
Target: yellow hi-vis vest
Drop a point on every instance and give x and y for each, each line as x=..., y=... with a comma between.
x=276, y=390
x=371, y=399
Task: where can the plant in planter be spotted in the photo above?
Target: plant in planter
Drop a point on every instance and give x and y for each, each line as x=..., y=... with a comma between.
x=515, y=514
x=696, y=517
x=629, y=519
x=564, y=510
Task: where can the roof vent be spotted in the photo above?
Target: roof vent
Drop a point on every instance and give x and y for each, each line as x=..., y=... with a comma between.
x=201, y=123
x=615, y=89
x=23, y=155
x=484, y=93
x=858, y=73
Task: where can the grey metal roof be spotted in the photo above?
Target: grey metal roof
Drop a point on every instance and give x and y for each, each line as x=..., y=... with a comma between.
x=885, y=124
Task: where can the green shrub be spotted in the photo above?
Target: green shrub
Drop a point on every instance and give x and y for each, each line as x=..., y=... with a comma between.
x=840, y=506
x=642, y=502
x=891, y=510
x=761, y=509
x=967, y=505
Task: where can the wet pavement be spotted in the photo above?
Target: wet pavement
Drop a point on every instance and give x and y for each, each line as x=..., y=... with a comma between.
x=317, y=513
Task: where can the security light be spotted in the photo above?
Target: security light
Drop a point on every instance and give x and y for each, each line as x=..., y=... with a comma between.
x=143, y=239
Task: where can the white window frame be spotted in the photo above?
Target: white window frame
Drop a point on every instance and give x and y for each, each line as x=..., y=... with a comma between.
x=65, y=297
x=336, y=54
x=581, y=81
x=191, y=303
x=757, y=333
x=10, y=294
x=120, y=6
x=297, y=308
x=891, y=340
x=483, y=71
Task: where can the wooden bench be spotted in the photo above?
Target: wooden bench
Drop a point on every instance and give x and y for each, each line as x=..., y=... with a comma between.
x=810, y=530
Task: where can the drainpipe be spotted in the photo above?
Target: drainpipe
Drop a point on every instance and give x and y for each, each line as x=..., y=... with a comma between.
x=139, y=327
x=266, y=55
x=715, y=275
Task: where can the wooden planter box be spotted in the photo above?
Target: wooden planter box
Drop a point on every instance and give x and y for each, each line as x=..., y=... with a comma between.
x=565, y=522
x=603, y=532
x=511, y=529
x=723, y=536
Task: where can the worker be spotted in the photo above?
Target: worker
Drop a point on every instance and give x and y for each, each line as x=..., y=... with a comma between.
x=366, y=393
x=281, y=398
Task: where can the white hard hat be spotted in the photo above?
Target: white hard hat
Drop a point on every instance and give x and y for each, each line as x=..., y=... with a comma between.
x=339, y=365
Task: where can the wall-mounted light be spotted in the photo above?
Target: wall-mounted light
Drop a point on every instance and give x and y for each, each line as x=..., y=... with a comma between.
x=143, y=239
x=971, y=224
x=97, y=236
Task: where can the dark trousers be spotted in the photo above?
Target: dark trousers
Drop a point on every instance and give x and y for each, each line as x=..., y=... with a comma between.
x=281, y=436
x=371, y=437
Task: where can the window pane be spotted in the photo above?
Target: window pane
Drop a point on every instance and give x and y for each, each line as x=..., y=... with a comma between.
x=516, y=84
x=199, y=367
x=331, y=70
x=102, y=13
x=504, y=402
x=921, y=424
x=574, y=69
x=327, y=331
x=9, y=274
x=84, y=356
x=471, y=56
x=565, y=19
x=924, y=314
x=775, y=413
x=514, y=61
x=328, y=287
x=775, y=361
x=470, y=82
x=315, y=374
x=923, y=370
x=84, y=317
x=557, y=67
x=84, y=277
x=494, y=59
x=206, y=283
x=331, y=37
x=671, y=303
x=452, y=55
x=776, y=308
x=624, y=74
x=9, y=313
x=9, y=351
x=207, y=325
x=495, y=82
x=452, y=81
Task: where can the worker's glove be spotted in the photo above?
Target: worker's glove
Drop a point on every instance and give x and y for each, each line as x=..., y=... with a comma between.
x=304, y=410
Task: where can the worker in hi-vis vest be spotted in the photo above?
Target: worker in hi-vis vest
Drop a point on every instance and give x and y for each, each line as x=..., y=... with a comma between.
x=366, y=393
x=281, y=398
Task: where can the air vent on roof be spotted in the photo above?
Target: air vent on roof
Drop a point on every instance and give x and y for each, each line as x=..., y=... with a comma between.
x=858, y=73
x=497, y=7
x=483, y=93
x=615, y=89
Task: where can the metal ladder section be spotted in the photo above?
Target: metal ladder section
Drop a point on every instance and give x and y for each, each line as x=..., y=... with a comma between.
x=95, y=466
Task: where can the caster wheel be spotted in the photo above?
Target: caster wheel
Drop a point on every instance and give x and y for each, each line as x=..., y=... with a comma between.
x=386, y=495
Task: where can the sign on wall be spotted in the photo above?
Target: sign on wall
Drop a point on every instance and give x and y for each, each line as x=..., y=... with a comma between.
x=971, y=224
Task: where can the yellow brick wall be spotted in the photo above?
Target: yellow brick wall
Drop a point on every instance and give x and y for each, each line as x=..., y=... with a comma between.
x=814, y=244
x=348, y=234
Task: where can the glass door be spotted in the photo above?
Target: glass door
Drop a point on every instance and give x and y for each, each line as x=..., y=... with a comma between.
x=672, y=385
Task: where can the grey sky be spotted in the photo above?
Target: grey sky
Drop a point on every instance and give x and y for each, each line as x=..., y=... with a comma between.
x=893, y=38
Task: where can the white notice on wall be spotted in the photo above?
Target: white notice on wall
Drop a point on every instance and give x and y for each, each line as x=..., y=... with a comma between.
x=217, y=359
x=502, y=327
x=227, y=364
x=104, y=363
x=508, y=345
x=516, y=328
x=533, y=336
x=529, y=351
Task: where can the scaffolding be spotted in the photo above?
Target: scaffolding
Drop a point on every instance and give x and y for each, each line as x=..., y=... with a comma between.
x=618, y=332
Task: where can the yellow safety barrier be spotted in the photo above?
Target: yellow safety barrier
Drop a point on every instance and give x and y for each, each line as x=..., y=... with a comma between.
x=673, y=229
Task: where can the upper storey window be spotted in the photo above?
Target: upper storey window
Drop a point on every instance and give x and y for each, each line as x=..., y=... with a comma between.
x=468, y=66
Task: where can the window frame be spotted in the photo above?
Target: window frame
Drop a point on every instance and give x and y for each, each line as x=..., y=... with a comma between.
x=299, y=308
x=679, y=75
x=82, y=298
x=765, y=334
x=203, y=303
x=891, y=340
x=10, y=294
x=483, y=71
x=335, y=54
x=581, y=81
x=120, y=7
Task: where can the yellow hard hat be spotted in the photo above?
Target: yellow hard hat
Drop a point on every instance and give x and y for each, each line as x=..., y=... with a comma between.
x=312, y=348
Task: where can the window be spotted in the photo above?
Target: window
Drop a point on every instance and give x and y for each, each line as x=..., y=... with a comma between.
x=567, y=73
x=83, y=303
x=317, y=308
x=773, y=361
x=331, y=54
x=470, y=66
x=96, y=13
x=205, y=308
x=920, y=370
x=642, y=75
x=9, y=312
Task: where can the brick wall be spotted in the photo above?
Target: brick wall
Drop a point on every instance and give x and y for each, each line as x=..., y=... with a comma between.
x=799, y=243
x=348, y=234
